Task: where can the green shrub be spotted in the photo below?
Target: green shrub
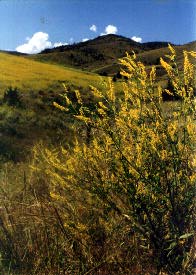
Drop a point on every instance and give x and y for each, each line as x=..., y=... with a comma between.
x=12, y=97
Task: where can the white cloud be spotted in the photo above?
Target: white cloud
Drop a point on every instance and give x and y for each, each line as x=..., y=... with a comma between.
x=136, y=39
x=37, y=43
x=58, y=44
x=93, y=28
x=110, y=29
x=71, y=40
x=85, y=39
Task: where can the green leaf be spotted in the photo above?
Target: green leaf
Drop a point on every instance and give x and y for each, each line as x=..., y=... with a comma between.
x=172, y=245
x=186, y=236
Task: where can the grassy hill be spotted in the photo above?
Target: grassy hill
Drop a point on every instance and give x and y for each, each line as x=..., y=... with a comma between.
x=91, y=54
x=151, y=57
x=30, y=75
x=100, y=55
x=77, y=64
x=96, y=53
x=39, y=85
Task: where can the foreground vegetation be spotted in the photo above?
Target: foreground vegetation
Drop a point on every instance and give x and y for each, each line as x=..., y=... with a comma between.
x=120, y=199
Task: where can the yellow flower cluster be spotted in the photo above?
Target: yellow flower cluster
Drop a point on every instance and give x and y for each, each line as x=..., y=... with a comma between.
x=140, y=158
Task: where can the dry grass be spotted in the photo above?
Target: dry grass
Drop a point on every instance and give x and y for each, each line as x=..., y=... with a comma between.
x=32, y=75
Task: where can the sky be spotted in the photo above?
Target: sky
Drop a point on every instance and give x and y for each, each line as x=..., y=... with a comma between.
x=33, y=25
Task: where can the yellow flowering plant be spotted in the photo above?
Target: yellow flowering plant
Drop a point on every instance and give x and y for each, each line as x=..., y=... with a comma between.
x=138, y=161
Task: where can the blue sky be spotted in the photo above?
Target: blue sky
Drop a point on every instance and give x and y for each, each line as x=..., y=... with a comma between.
x=31, y=25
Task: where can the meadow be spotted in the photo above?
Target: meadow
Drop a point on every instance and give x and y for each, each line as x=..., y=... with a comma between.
x=29, y=75
x=38, y=85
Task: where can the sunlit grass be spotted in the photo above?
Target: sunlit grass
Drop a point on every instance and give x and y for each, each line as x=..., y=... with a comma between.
x=32, y=75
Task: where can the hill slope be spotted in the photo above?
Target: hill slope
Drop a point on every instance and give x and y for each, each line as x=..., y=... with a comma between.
x=96, y=53
x=101, y=54
x=41, y=83
x=151, y=57
x=35, y=118
x=28, y=74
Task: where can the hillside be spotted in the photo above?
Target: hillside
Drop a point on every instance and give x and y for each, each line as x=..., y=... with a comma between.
x=40, y=83
x=96, y=53
x=35, y=118
x=100, y=55
x=149, y=58
x=30, y=75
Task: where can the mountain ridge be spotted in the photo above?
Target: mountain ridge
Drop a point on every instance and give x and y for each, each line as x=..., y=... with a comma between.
x=96, y=53
x=108, y=39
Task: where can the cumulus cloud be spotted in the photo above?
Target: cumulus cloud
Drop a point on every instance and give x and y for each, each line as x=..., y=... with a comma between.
x=85, y=39
x=136, y=39
x=58, y=44
x=110, y=29
x=37, y=43
x=93, y=28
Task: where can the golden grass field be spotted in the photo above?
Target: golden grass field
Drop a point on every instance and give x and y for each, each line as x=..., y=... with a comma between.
x=26, y=74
